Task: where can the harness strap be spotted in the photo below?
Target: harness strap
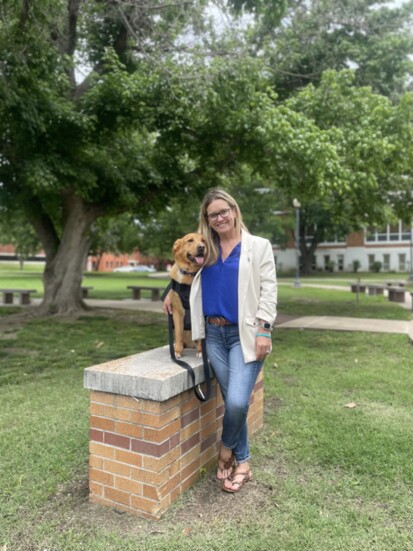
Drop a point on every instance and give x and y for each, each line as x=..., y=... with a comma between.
x=197, y=388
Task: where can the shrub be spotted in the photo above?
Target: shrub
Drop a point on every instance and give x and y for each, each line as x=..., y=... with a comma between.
x=376, y=266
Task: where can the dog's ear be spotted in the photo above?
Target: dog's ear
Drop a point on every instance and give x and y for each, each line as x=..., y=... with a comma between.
x=176, y=246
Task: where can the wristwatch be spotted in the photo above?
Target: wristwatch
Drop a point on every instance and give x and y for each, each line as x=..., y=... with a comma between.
x=265, y=325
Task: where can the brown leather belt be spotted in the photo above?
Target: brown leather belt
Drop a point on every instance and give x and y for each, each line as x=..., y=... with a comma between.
x=219, y=321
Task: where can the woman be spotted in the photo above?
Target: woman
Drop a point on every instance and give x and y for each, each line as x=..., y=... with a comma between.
x=233, y=305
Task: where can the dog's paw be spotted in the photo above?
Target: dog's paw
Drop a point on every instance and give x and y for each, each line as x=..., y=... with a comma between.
x=178, y=353
x=199, y=354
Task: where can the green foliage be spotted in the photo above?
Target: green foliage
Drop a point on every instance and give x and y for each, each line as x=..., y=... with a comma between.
x=373, y=37
x=15, y=230
x=376, y=266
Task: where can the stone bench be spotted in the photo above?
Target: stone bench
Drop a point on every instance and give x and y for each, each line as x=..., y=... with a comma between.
x=85, y=291
x=150, y=437
x=136, y=291
x=397, y=294
x=396, y=283
x=24, y=294
x=358, y=287
x=375, y=289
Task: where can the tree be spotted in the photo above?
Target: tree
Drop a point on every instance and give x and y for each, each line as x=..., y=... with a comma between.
x=372, y=37
x=375, y=40
x=18, y=232
x=118, y=140
x=373, y=140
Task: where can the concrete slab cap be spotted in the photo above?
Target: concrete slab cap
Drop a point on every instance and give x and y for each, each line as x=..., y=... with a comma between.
x=150, y=375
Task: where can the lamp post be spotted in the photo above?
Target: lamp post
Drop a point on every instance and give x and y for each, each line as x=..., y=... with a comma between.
x=411, y=251
x=297, y=205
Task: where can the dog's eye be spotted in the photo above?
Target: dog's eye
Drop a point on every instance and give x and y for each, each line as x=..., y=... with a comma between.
x=190, y=241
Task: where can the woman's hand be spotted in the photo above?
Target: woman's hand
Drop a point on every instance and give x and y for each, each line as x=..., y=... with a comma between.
x=167, y=305
x=262, y=345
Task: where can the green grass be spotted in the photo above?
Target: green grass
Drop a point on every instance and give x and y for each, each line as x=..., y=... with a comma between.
x=308, y=301
x=327, y=477
x=303, y=301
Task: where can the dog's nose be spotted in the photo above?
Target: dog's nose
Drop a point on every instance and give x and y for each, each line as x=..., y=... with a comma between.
x=201, y=248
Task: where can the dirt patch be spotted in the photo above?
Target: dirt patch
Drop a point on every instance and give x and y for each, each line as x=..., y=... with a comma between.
x=202, y=504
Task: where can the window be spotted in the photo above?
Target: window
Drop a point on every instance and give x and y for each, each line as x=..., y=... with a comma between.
x=386, y=262
x=340, y=262
x=371, y=261
x=406, y=232
x=402, y=262
x=391, y=232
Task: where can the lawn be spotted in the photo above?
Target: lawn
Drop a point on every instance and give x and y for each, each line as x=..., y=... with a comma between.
x=307, y=300
x=332, y=465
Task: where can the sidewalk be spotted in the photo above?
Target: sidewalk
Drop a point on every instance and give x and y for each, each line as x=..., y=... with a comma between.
x=283, y=321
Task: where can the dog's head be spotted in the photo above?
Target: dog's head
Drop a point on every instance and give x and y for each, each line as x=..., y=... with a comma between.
x=190, y=251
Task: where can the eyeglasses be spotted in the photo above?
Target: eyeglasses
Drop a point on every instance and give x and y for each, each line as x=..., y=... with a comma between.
x=224, y=213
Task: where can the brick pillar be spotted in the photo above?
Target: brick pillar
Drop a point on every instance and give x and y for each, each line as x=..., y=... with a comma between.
x=145, y=453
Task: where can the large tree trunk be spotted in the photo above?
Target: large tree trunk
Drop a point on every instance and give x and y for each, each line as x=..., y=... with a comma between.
x=65, y=262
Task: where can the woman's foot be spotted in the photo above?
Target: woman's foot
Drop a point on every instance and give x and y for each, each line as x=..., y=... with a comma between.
x=234, y=483
x=225, y=463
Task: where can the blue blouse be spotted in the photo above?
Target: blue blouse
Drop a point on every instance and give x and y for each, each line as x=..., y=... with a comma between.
x=220, y=287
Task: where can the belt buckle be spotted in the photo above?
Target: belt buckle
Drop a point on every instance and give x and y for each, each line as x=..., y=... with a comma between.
x=221, y=321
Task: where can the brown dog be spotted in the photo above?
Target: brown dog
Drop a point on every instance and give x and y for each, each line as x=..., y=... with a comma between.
x=189, y=254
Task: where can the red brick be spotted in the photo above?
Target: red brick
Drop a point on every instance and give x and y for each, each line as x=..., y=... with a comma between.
x=149, y=477
x=151, y=492
x=155, y=421
x=101, y=477
x=170, y=485
x=158, y=464
x=259, y=384
x=190, y=443
x=102, y=410
x=189, y=417
x=189, y=481
x=159, y=435
x=148, y=448
x=117, y=496
x=128, y=485
x=189, y=457
x=145, y=505
x=95, y=488
x=191, y=468
x=208, y=442
x=96, y=435
x=102, y=423
x=114, y=467
x=129, y=429
x=102, y=397
x=189, y=430
x=101, y=450
x=131, y=458
x=117, y=440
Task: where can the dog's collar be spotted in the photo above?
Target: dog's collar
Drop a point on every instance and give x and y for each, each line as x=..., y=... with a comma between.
x=184, y=272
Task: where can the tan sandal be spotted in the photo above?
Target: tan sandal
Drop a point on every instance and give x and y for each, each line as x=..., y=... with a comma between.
x=227, y=465
x=245, y=477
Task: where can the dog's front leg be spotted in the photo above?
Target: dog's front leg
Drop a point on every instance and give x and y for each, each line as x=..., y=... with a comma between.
x=178, y=317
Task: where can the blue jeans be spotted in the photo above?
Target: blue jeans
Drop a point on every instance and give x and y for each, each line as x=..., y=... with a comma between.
x=237, y=380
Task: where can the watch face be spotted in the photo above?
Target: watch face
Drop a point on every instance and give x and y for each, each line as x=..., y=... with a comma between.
x=266, y=325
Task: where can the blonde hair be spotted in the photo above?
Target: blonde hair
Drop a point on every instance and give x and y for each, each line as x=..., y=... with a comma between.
x=210, y=234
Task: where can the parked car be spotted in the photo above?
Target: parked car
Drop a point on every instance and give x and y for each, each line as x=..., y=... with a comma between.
x=141, y=268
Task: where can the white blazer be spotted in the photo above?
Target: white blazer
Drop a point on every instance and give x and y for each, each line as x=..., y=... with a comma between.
x=257, y=293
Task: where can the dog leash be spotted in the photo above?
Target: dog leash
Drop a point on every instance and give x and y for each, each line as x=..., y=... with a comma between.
x=197, y=388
